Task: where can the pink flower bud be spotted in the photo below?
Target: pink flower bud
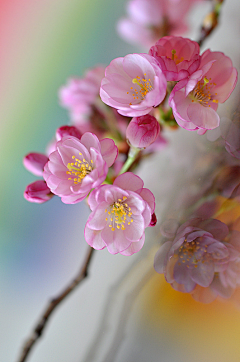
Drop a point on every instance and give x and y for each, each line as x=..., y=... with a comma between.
x=67, y=131
x=153, y=220
x=38, y=192
x=142, y=131
x=35, y=162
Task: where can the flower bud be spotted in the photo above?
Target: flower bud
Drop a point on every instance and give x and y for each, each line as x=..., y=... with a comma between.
x=67, y=131
x=142, y=131
x=35, y=162
x=153, y=220
x=38, y=192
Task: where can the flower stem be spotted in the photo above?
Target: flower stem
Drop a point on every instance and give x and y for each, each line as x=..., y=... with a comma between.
x=210, y=21
x=132, y=155
x=38, y=330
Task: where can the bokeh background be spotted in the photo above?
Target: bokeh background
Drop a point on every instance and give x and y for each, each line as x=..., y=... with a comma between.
x=41, y=246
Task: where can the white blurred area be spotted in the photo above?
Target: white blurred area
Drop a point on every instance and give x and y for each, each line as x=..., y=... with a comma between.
x=98, y=322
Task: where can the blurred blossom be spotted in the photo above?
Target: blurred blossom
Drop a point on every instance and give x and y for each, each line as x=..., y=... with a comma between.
x=195, y=254
x=142, y=131
x=120, y=214
x=230, y=132
x=81, y=97
x=177, y=57
x=133, y=85
x=227, y=279
x=84, y=90
x=149, y=20
x=77, y=166
x=38, y=192
x=226, y=180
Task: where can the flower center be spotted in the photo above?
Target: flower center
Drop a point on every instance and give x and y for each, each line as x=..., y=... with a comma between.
x=78, y=169
x=192, y=252
x=203, y=94
x=120, y=215
x=144, y=86
x=175, y=57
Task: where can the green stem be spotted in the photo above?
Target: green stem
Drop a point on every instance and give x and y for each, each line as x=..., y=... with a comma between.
x=132, y=155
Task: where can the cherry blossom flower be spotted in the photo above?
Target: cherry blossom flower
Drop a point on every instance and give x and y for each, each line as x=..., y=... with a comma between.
x=194, y=101
x=77, y=166
x=142, y=131
x=149, y=20
x=120, y=214
x=178, y=57
x=194, y=255
x=38, y=192
x=133, y=85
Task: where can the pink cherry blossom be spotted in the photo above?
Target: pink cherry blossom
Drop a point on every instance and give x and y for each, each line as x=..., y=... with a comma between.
x=142, y=131
x=133, y=85
x=120, y=214
x=35, y=162
x=77, y=166
x=38, y=192
x=194, y=101
x=194, y=255
x=149, y=20
x=178, y=57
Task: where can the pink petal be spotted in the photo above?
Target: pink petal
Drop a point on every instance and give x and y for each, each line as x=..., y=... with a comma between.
x=203, y=117
x=115, y=240
x=135, y=230
x=94, y=239
x=203, y=274
x=109, y=151
x=90, y=140
x=134, y=247
x=129, y=181
x=97, y=220
x=148, y=196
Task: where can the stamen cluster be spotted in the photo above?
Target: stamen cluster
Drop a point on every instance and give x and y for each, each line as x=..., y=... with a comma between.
x=79, y=168
x=120, y=215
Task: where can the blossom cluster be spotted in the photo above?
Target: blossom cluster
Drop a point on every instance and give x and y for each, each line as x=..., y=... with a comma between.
x=84, y=162
x=76, y=169
x=138, y=83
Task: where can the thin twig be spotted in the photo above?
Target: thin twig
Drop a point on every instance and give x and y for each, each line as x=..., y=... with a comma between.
x=210, y=22
x=37, y=332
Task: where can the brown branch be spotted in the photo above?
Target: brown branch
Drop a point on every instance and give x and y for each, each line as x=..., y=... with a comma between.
x=37, y=332
x=210, y=21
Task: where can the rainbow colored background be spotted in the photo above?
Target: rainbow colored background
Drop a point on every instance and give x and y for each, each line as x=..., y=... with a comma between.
x=42, y=43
